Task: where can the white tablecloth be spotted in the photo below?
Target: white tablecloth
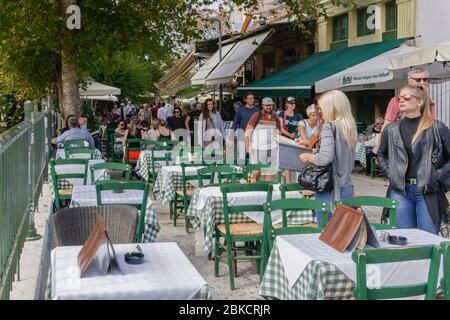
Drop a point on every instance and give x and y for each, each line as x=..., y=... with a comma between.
x=75, y=168
x=297, y=251
x=86, y=196
x=247, y=198
x=166, y=274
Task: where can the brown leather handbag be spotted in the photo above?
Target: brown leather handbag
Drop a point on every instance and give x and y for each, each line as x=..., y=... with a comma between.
x=348, y=229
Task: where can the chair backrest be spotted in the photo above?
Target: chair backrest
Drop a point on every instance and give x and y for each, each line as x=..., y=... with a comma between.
x=115, y=185
x=113, y=166
x=142, y=144
x=81, y=174
x=188, y=177
x=389, y=203
x=445, y=245
x=75, y=143
x=387, y=255
x=72, y=226
x=293, y=204
x=287, y=187
x=236, y=209
x=216, y=175
x=80, y=153
x=158, y=158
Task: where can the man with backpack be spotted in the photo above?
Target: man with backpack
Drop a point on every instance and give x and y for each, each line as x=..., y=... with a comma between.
x=261, y=139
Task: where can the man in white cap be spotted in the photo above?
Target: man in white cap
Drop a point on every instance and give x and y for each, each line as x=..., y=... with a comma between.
x=261, y=139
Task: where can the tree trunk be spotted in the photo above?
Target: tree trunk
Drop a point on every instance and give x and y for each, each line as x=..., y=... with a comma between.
x=69, y=99
x=69, y=96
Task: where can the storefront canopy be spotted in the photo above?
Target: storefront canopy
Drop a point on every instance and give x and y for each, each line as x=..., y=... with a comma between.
x=100, y=98
x=300, y=78
x=423, y=56
x=230, y=64
x=210, y=65
x=370, y=74
x=97, y=89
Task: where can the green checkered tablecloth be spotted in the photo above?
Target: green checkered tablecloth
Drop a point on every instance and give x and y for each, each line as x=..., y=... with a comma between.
x=360, y=155
x=212, y=215
x=165, y=190
x=319, y=281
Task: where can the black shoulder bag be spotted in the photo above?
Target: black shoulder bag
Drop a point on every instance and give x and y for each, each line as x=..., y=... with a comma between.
x=318, y=178
x=439, y=161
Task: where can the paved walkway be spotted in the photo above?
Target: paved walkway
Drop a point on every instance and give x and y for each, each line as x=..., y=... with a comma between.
x=247, y=282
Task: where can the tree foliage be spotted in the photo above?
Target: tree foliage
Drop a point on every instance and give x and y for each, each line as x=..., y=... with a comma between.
x=34, y=35
x=132, y=74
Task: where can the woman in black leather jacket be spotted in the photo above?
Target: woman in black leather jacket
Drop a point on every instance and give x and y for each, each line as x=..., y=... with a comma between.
x=405, y=156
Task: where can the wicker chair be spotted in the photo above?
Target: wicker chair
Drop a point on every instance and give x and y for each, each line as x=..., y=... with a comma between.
x=71, y=226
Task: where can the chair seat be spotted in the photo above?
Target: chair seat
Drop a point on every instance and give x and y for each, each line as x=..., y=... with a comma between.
x=308, y=193
x=189, y=192
x=242, y=229
x=65, y=192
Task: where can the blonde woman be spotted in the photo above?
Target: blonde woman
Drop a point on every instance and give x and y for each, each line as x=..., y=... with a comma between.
x=338, y=139
x=405, y=156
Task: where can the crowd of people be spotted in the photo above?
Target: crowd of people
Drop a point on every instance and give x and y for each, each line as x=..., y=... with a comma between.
x=403, y=141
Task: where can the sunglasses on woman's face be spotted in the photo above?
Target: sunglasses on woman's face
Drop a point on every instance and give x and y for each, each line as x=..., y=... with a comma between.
x=420, y=79
x=406, y=97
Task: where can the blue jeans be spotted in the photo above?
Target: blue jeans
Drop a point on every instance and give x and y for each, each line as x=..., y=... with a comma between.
x=346, y=192
x=413, y=211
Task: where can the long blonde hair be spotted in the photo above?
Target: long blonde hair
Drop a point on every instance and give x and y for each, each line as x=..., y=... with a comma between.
x=426, y=120
x=336, y=108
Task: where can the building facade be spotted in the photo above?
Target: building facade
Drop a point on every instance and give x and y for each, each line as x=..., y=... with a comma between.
x=363, y=22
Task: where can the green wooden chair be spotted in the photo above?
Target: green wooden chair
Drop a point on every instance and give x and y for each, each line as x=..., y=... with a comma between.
x=113, y=166
x=271, y=231
x=381, y=202
x=249, y=233
x=116, y=185
x=117, y=144
x=66, y=193
x=156, y=161
x=133, y=145
x=387, y=255
x=75, y=143
x=445, y=281
x=216, y=175
x=374, y=167
x=183, y=196
x=80, y=153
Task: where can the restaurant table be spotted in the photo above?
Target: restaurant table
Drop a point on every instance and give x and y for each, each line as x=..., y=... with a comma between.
x=206, y=210
x=61, y=154
x=86, y=196
x=302, y=267
x=76, y=168
x=165, y=274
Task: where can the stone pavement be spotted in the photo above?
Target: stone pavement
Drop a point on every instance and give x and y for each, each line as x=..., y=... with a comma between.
x=247, y=282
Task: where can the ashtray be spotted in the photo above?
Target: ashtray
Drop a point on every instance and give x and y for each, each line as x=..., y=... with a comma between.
x=118, y=190
x=134, y=257
x=398, y=240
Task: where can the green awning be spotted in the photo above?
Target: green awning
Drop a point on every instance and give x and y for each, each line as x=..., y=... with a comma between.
x=298, y=79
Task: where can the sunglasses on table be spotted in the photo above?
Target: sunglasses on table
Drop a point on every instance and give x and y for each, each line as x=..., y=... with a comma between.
x=406, y=97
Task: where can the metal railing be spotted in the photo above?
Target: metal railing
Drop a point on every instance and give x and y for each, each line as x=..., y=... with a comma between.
x=24, y=155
